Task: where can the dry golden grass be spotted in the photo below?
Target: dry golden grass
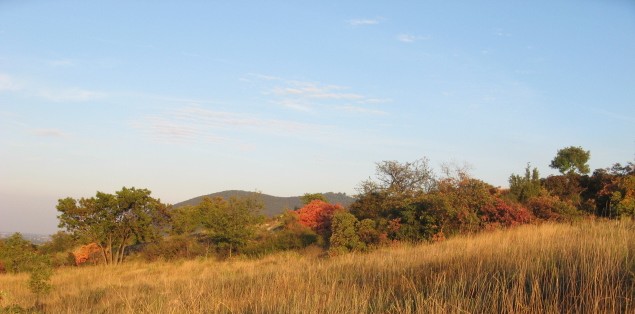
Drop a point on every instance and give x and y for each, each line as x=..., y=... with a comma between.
x=582, y=268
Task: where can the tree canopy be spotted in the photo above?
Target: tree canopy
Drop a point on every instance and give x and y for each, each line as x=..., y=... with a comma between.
x=571, y=160
x=114, y=221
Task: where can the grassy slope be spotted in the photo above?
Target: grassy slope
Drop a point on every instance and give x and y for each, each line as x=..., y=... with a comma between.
x=587, y=267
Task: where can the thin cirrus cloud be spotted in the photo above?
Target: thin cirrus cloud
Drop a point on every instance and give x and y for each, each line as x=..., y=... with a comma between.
x=7, y=83
x=409, y=38
x=357, y=109
x=55, y=133
x=197, y=124
x=363, y=22
x=70, y=95
x=310, y=96
x=61, y=63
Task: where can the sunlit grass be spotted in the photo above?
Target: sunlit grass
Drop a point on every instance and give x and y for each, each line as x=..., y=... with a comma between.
x=553, y=268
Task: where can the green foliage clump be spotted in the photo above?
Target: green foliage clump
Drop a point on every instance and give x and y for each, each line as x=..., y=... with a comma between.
x=40, y=277
x=344, y=234
x=571, y=160
x=114, y=221
x=60, y=248
x=173, y=248
x=522, y=188
x=309, y=197
x=288, y=235
x=17, y=254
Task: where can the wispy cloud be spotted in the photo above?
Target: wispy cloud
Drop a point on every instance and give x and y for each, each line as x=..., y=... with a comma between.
x=70, y=95
x=409, y=38
x=313, y=90
x=294, y=104
x=7, y=83
x=356, y=109
x=197, y=124
x=501, y=33
x=164, y=128
x=314, y=97
x=48, y=133
x=61, y=63
x=363, y=22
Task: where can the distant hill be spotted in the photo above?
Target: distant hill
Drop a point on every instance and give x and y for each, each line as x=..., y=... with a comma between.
x=273, y=205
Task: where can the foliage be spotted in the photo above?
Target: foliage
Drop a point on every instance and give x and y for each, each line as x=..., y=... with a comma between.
x=184, y=220
x=505, y=214
x=552, y=208
x=17, y=254
x=571, y=160
x=59, y=249
x=344, y=237
x=282, y=233
x=396, y=185
x=172, y=248
x=114, y=221
x=317, y=215
x=522, y=188
x=229, y=224
x=40, y=277
x=88, y=253
x=566, y=187
x=369, y=234
x=61, y=242
x=612, y=191
x=309, y=197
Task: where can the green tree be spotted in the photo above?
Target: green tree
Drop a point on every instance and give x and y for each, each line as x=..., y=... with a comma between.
x=60, y=242
x=396, y=185
x=184, y=220
x=368, y=233
x=230, y=224
x=16, y=253
x=40, y=277
x=114, y=222
x=344, y=236
x=522, y=188
x=571, y=160
x=19, y=255
x=309, y=197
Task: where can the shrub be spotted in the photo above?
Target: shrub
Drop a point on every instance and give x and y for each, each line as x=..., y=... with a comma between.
x=505, y=214
x=552, y=208
x=344, y=236
x=173, y=248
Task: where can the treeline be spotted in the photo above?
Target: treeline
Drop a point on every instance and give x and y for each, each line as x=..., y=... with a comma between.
x=403, y=202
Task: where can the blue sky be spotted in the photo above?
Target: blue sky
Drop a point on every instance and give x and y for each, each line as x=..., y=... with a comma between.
x=189, y=98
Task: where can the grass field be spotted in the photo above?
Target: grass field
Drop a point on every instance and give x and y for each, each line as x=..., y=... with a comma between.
x=587, y=267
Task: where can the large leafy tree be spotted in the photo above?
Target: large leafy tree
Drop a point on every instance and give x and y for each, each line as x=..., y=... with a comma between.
x=571, y=160
x=229, y=223
x=114, y=221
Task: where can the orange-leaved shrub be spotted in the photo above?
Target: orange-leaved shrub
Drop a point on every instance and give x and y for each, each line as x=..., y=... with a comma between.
x=87, y=253
x=318, y=216
x=505, y=214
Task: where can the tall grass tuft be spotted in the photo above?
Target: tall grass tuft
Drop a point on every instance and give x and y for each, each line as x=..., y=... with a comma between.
x=587, y=267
